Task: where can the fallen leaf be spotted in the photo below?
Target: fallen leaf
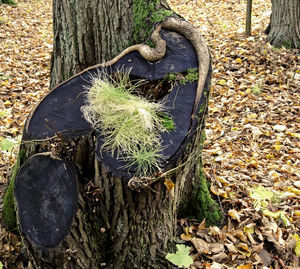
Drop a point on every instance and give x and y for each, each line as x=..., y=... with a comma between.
x=234, y=215
x=245, y=266
x=182, y=256
x=297, y=247
x=249, y=228
x=207, y=248
x=170, y=187
x=261, y=192
x=279, y=128
x=222, y=82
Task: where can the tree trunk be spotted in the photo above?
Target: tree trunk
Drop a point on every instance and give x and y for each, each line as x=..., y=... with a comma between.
x=284, y=29
x=120, y=222
x=87, y=33
x=91, y=32
x=116, y=227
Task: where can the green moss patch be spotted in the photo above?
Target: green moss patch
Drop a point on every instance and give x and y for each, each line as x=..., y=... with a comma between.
x=189, y=75
x=9, y=211
x=204, y=206
x=192, y=75
x=200, y=204
x=145, y=15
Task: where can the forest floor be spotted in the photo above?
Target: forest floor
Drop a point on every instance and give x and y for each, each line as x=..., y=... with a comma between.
x=252, y=150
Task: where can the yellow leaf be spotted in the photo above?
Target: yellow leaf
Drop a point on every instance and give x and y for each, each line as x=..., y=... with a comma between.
x=254, y=163
x=222, y=180
x=276, y=215
x=274, y=174
x=297, y=247
x=224, y=195
x=278, y=147
x=297, y=213
x=294, y=134
x=222, y=82
x=170, y=186
x=249, y=228
x=238, y=60
x=253, y=115
x=214, y=109
x=186, y=237
x=234, y=214
x=214, y=190
x=245, y=266
x=7, y=103
x=261, y=193
x=293, y=190
x=244, y=249
x=13, y=130
x=240, y=235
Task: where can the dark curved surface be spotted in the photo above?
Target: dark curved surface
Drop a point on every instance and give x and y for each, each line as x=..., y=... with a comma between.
x=180, y=104
x=46, y=193
x=60, y=111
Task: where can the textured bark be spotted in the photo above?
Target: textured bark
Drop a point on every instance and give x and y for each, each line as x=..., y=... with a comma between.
x=90, y=32
x=82, y=247
x=87, y=33
x=284, y=29
x=115, y=227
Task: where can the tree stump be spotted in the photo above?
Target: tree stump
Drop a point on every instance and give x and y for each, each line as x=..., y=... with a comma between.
x=77, y=205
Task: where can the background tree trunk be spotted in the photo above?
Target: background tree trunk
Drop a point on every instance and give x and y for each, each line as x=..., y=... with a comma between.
x=284, y=29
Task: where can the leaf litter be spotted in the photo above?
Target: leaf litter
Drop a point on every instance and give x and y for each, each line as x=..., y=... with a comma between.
x=252, y=150
x=25, y=47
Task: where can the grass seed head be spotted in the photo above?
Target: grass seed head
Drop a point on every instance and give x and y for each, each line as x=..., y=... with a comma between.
x=130, y=124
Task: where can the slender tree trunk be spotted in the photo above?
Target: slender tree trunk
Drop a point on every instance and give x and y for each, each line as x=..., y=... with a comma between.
x=284, y=27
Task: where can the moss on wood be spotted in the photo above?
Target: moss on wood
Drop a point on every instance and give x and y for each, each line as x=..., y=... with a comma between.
x=200, y=204
x=205, y=206
x=146, y=15
x=9, y=211
x=190, y=75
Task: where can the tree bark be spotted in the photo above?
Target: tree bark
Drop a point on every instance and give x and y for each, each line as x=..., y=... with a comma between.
x=284, y=29
x=90, y=32
x=116, y=226
x=87, y=33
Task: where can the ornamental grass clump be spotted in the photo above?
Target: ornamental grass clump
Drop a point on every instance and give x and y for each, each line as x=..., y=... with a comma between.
x=130, y=124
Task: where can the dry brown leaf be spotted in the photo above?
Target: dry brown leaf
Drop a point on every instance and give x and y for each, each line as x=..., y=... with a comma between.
x=207, y=248
x=234, y=215
x=170, y=187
